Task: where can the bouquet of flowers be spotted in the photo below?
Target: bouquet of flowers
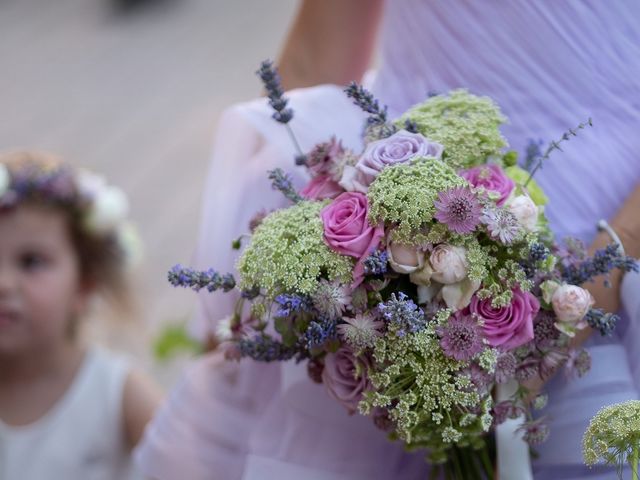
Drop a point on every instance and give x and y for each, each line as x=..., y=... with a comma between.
x=415, y=275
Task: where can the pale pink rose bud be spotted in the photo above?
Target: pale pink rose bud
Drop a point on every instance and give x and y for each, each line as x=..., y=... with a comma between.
x=571, y=303
x=449, y=264
x=525, y=211
x=405, y=258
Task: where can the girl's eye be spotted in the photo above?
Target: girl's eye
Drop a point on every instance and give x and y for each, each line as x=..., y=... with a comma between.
x=33, y=261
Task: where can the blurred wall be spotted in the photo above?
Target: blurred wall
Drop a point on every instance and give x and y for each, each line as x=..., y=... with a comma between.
x=133, y=89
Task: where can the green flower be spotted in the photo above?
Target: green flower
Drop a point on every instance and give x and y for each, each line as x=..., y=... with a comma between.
x=521, y=176
x=467, y=125
x=613, y=436
x=288, y=253
x=405, y=195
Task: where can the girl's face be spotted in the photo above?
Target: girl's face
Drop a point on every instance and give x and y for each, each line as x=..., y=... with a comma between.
x=40, y=287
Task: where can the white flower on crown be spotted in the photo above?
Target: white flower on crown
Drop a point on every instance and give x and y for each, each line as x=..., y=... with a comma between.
x=131, y=244
x=5, y=180
x=108, y=205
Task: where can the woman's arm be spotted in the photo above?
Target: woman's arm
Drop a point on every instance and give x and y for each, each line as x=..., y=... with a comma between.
x=140, y=400
x=626, y=223
x=331, y=41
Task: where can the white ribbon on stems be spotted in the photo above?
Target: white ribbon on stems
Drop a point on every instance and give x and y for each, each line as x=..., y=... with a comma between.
x=513, y=452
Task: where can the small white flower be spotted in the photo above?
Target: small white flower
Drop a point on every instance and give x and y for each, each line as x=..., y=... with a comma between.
x=130, y=243
x=108, y=209
x=5, y=179
x=224, y=331
x=361, y=331
x=331, y=298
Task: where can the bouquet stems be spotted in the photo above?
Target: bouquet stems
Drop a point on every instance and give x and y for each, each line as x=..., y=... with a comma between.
x=634, y=463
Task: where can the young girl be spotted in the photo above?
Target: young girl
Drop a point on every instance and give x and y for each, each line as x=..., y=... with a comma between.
x=67, y=411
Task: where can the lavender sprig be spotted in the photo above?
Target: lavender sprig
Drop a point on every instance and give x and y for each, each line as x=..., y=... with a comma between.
x=319, y=332
x=401, y=312
x=532, y=153
x=264, y=348
x=376, y=263
x=605, y=323
x=292, y=303
x=601, y=263
x=365, y=100
x=281, y=181
x=180, y=276
x=271, y=80
x=555, y=145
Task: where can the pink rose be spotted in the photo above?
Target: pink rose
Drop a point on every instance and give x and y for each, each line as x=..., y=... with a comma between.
x=570, y=304
x=345, y=377
x=347, y=231
x=320, y=188
x=492, y=178
x=511, y=326
x=400, y=147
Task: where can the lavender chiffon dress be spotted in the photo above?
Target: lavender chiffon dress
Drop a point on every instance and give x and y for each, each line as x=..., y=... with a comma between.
x=549, y=65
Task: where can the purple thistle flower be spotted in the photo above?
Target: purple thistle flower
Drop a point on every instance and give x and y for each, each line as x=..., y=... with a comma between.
x=459, y=209
x=551, y=361
x=506, y=367
x=527, y=369
x=545, y=333
x=505, y=409
x=461, y=337
x=535, y=432
x=578, y=363
x=480, y=379
x=501, y=224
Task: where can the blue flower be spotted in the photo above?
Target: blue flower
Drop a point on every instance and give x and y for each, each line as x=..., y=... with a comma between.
x=403, y=313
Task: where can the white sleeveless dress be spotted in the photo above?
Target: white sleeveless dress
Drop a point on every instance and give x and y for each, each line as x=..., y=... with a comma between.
x=549, y=65
x=81, y=437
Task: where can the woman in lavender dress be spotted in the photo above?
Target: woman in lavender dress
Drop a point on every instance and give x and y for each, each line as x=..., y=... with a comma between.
x=549, y=66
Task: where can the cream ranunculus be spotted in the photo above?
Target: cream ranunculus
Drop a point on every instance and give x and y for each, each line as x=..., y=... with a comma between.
x=571, y=303
x=405, y=258
x=449, y=264
x=5, y=180
x=458, y=295
x=525, y=211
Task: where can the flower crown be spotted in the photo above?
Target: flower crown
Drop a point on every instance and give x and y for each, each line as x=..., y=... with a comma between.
x=102, y=208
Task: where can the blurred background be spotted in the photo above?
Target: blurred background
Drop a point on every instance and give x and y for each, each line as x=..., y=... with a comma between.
x=133, y=89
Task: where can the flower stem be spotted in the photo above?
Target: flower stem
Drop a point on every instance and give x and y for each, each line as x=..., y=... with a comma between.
x=634, y=463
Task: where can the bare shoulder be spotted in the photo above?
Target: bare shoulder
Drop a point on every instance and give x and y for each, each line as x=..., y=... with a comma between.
x=141, y=398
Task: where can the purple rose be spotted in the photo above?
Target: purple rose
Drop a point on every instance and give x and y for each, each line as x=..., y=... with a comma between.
x=511, y=326
x=321, y=188
x=345, y=377
x=347, y=230
x=492, y=178
x=400, y=147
